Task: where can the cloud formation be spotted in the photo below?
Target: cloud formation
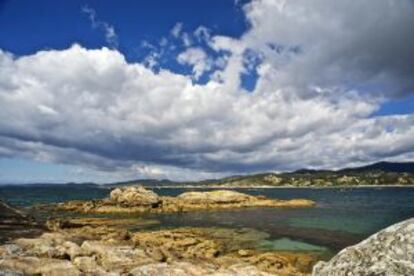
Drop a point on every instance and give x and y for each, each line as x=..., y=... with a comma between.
x=324, y=69
x=111, y=37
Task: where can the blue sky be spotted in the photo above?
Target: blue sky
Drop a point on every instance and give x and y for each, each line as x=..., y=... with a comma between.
x=196, y=89
x=28, y=27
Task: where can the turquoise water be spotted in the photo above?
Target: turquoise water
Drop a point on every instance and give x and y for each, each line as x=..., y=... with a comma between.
x=341, y=218
x=286, y=244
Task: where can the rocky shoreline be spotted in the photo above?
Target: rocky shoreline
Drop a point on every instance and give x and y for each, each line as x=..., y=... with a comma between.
x=104, y=245
x=91, y=247
x=91, y=244
x=136, y=199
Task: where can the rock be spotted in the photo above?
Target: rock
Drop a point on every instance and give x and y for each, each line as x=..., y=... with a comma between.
x=135, y=200
x=103, y=232
x=10, y=250
x=244, y=253
x=10, y=273
x=218, y=196
x=388, y=252
x=16, y=223
x=196, y=269
x=43, y=266
x=117, y=258
x=71, y=249
x=176, y=269
x=179, y=243
x=134, y=196
x=181, y=251
x=49, y=245
x=89, y=266
x=86, y=264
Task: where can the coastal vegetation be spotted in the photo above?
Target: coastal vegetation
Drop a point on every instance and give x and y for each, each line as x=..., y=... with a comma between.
x=377, y=174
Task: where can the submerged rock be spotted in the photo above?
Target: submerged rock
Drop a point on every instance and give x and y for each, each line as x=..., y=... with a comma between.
x=388, y=252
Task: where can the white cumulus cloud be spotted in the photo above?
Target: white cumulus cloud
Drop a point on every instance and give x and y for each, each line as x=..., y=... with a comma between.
x=324, y=68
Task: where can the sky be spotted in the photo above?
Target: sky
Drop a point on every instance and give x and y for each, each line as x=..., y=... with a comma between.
x=186, y=90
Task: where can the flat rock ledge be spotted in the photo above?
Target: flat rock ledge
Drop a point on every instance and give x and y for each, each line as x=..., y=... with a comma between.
x=388, y=252
x=107, y=250
x=136, y=199
x=15, y=223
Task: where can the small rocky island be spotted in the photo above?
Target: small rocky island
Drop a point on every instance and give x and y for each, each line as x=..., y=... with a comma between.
x=136, y=199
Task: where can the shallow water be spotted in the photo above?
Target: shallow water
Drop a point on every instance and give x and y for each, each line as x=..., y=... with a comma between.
x=342, y=216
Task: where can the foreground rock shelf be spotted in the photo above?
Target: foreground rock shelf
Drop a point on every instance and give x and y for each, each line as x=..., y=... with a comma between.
x=97, y=249
x=135, y=199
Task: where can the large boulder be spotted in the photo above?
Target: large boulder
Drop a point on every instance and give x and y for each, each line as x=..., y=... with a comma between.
x=219, y=196
x=134, y=196
x=388, y=252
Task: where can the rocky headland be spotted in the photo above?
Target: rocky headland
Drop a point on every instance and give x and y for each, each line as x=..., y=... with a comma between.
x=136, y=199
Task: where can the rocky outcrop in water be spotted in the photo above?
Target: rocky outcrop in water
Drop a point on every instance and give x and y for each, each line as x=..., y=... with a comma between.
x=141, y=200
x=98, y=249
x=134, y=196
x=388, y=252
x=213, y=197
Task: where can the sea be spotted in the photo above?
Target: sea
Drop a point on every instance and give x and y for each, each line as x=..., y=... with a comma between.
x=341, y=217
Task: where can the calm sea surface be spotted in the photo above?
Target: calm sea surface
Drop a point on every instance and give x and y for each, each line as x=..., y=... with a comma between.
x=342, y=216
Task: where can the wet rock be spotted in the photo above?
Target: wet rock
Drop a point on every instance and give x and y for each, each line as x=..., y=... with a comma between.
x=388, y=252
x=134, y=196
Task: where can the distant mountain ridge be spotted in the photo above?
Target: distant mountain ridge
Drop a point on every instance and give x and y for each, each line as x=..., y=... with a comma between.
x=380, y=173
x=398, y=167
x=383, y=166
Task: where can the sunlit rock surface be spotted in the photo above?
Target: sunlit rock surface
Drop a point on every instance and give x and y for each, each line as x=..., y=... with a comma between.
x=388, y=252
x=99, y=249
x=140, y=200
